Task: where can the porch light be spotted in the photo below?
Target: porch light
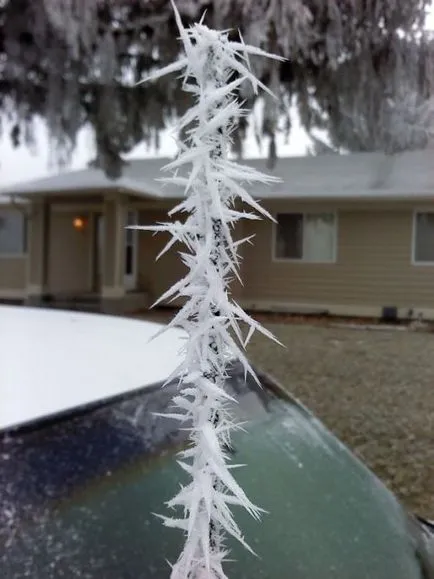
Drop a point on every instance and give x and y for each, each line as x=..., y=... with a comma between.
x=79, y=223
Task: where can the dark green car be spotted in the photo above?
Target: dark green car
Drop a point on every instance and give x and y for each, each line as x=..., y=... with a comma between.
x=78, y=495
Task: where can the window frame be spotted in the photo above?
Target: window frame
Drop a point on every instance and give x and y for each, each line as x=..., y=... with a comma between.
x=416, y=212
x=25, y=239
x=303, y=260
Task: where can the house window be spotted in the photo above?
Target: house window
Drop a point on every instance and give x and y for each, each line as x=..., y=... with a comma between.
x=13, y=232
x=423, y=249
x=309, y=237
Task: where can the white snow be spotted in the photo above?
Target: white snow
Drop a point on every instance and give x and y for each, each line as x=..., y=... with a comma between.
x=52, y=360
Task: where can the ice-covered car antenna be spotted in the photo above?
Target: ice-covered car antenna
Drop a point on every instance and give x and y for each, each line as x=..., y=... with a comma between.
x=213, y=68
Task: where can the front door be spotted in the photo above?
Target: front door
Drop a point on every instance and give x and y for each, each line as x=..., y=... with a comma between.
x=130, y=271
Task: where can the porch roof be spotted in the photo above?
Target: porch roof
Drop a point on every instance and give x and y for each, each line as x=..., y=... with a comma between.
x=362, y=176
x=82, y=182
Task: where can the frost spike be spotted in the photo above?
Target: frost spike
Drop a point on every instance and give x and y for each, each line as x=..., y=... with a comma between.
x=174, y=67
x=209, y=316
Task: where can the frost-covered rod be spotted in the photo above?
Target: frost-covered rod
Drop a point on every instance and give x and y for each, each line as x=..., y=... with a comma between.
x=213, y=68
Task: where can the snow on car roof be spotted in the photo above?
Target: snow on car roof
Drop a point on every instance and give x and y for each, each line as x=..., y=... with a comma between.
x=54, y=361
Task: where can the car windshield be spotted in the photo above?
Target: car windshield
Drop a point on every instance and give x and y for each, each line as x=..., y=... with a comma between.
x=79, y=493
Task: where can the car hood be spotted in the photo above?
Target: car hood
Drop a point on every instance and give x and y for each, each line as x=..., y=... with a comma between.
x=80, y=497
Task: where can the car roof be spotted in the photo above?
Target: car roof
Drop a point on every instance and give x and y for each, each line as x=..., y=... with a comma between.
x=54, y=361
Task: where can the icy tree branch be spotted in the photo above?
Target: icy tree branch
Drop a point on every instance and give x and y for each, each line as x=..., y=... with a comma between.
x=213, y=68
x=74, y=63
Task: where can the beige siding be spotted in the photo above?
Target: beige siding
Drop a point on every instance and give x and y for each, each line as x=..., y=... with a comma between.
x=157, y=277
x=39, y=224
x=373, y=265
x=69, y=261
x=13, y=272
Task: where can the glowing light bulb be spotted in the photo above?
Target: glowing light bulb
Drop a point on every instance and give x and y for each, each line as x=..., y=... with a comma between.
x=78, y=223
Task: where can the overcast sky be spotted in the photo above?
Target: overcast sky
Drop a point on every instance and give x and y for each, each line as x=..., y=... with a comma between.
x=21, y=165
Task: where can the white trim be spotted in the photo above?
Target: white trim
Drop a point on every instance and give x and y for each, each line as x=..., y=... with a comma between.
x=416, y=212
x=303, y=261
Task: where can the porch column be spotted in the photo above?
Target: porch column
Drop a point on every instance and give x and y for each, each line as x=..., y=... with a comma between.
x=113, y=266
x=37, y=252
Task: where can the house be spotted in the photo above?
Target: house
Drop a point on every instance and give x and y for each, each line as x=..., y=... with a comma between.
x=354, y=235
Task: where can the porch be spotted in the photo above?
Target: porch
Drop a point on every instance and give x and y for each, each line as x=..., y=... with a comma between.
x=81, y=256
